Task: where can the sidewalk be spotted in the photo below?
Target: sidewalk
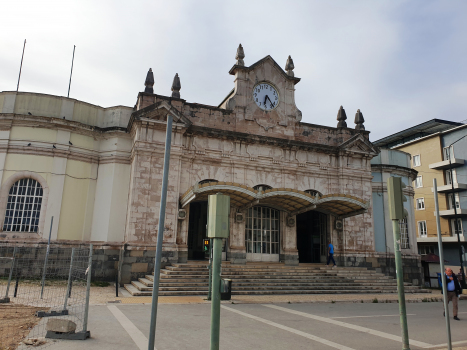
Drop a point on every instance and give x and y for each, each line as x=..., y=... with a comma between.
x=103, y=295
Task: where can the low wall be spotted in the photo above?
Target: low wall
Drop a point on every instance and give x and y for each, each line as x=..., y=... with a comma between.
x=385, y=263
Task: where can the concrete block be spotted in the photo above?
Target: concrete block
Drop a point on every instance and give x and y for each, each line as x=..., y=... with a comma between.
x=139, y=267
x=60, y=325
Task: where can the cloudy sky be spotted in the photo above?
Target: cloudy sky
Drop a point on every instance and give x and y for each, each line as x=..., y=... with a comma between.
x=400, y=62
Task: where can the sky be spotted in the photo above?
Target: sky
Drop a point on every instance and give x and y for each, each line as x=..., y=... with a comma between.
x=400, y=62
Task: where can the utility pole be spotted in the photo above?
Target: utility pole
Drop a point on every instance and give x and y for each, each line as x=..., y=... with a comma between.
x=160, y=235
x=456, y=220
x=21, y=66
x=441, y=263
x=218, y=228
x=396, y=212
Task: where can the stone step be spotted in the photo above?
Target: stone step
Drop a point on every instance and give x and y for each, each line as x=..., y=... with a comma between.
x=257, y=278
x=140, y=286
x=136, y=292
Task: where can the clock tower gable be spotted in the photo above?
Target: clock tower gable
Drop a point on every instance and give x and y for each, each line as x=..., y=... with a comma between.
x=264, y=94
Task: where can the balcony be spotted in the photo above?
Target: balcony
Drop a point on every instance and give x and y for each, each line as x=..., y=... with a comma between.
x=455, y=162
x=446, y=239
x=450, y=213
x=449, y=188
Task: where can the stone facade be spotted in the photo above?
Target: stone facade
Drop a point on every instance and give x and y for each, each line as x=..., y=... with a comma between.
x=261, y=157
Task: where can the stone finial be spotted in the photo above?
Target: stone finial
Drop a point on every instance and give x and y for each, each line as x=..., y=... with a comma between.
x=289, y=66
x=359, y=121
x=149, y=83
x=341, y=117
x=240, y=56
x=176, y=86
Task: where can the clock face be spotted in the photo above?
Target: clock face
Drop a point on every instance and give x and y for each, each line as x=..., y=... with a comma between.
x=265, y=96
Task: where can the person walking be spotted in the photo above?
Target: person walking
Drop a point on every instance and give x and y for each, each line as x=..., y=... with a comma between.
x=454, y=289
x=331, y=254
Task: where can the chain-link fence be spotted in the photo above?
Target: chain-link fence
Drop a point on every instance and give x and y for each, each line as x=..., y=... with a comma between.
x=44, y=295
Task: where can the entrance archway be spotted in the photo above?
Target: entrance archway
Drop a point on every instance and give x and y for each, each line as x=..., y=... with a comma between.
x=311, y=237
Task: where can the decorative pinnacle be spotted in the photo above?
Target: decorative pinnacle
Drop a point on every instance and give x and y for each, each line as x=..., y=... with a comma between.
x=240, y=56
x=341, y=117
x=359, y=120
x=149, y=83
x=289, y=66
x=176, y=86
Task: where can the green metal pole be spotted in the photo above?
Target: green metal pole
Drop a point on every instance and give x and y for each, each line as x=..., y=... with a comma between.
x=210, y=270
x=400, y=284
x=216, y=293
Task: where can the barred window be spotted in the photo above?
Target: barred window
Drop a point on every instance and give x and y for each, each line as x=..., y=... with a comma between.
x=404, y=228
x=24, y=206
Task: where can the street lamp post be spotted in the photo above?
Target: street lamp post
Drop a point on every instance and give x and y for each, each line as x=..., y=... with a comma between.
x=456, y=223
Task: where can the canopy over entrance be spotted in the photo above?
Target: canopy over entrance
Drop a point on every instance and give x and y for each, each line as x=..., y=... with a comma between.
x=290, y=200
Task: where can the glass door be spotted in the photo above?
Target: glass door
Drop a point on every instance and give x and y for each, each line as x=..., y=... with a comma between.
x=262, y=234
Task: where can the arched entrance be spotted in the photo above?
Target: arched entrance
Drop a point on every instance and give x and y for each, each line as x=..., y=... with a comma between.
x=311, y=236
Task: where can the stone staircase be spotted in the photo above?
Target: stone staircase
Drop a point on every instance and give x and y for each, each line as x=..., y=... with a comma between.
x=269, y=278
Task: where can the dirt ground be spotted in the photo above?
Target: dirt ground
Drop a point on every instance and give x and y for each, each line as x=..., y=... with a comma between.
x=16, y=321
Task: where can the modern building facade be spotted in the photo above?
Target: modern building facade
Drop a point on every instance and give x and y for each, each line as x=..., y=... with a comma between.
x=98, y=172
x=434, y=153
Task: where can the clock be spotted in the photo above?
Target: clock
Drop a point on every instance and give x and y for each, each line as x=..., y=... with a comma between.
x=265, y=96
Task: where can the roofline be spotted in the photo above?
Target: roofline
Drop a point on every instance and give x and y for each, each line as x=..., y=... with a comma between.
x=441, y=121
x=236, y=66
x=64, y=97
x=439, y=133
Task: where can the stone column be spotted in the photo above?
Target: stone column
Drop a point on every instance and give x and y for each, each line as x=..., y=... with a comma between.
x=237, y=254
x=289, y=251
x=182, y=236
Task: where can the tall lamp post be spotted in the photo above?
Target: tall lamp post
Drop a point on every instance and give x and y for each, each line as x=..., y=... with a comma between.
x=456, y=223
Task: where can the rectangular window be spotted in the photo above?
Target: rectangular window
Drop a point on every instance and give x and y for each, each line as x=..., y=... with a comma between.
x=420, y=203
x=449, y=178
x=448, y=153
x=418, y=182
x=455, y=229
x=426, y=249
x=416, y=160
x=450, y=198
x=422, y=228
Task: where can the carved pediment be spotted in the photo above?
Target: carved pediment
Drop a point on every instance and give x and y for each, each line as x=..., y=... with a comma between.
x=359, y=144
x=160, y=111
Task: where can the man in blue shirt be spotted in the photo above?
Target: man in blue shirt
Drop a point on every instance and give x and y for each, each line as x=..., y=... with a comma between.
x=454, y=289
x=330, y=254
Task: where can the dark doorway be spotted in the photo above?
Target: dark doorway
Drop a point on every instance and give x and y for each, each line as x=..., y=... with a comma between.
x=311, y=236
x=197, y=230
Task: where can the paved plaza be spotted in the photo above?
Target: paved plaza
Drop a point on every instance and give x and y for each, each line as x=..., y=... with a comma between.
x=339, y=325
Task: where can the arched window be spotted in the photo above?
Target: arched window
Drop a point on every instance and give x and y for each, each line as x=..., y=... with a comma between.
x=262, y=187
x=202, y=182
x=24, y=206
x=314, y=193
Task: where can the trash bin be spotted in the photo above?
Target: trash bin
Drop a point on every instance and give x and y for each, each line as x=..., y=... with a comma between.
x=226, y=289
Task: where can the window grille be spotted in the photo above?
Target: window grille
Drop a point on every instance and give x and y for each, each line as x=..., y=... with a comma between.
x=23, y=207
x=262, y=230
x=404, y=227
